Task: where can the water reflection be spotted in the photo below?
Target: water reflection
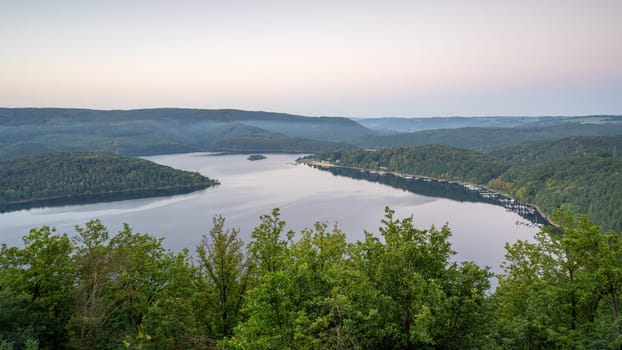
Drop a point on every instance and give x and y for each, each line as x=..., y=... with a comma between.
x=304, y=194
x=97, y=198
x=442, y=189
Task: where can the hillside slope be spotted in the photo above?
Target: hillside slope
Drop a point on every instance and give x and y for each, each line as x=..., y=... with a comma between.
x=489, y=139
x=545, y=151
x=82, y=175
x=169, y=130
x=403, y=125
x=586, y=182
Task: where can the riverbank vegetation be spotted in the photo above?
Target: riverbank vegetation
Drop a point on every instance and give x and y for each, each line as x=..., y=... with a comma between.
x=82, y=175
x=583, y=179
x=401, y=289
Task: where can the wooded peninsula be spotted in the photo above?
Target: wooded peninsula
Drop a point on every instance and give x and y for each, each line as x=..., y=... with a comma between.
x=83, y=175
x=578, y=174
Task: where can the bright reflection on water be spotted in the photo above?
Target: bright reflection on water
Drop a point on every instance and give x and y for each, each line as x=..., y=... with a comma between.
x=305, y=195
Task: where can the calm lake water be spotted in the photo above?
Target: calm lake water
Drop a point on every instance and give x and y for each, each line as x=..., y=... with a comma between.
x=304, y=195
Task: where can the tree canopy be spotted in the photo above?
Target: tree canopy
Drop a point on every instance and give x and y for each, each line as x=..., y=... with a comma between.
x=400, y=289
x=584, y=180
x=83, y=175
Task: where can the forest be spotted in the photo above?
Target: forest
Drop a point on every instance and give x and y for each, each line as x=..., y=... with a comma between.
x=490, y=139
x=577, y=174
x=83, y=174
x=141, y=132
x=398, y=289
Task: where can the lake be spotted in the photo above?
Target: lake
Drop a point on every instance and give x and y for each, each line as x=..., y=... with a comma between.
x=305, y=195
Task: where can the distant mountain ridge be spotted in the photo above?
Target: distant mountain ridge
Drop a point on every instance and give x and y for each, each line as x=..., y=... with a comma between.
x=392, y=125
x=168, y=130
x=25, y=131
x=490, y=139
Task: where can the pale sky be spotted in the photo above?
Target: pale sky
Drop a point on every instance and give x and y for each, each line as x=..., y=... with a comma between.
x=350, y=58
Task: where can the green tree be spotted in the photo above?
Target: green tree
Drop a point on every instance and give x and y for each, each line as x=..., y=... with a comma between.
x=563, y=290
x=428, y=300
x=403, y=293
x=120, y=279
x=37, y=282
x=171, y=322
x=268, y=251
x=224, y=277
x=299, y=305
x=88, y=324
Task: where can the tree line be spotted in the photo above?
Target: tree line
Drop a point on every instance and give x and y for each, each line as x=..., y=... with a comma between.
x=585, y=180
x=401, y=289
x=82, y=174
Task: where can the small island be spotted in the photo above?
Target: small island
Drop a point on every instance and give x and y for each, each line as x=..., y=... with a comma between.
x=254, y=157
x=84, y=177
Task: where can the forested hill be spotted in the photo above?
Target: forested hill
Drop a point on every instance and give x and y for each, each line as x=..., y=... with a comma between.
x=538, y=152
x=429, y=160
x=83, y=175
x=491, y=139
x=589, y=181
x=403, y=125
x=25, y=131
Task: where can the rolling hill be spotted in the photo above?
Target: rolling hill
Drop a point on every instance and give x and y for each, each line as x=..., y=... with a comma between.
x=490, y=139
x=168, y=130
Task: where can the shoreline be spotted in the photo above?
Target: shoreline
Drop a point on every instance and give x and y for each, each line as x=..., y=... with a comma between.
x=101, y=197
x=482, y=190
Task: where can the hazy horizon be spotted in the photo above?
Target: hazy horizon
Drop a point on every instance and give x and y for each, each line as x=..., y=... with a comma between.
x=304, y=115
x=356, y=59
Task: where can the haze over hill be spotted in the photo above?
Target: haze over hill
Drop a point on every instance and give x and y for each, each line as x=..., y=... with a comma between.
x=493, y=138
x=270, y=288
x=167, y=130
x=26, y=131
x=400, y=125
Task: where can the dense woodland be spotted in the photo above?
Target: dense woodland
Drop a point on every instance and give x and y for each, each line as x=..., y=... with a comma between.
x=489, y=139
x=546, y=151
x=25, y=131
x=429, y=160
x=400, y=289
x=578, y=174
x=408, y=125
x=140, y=132
x=71, y=175
x=583, y=183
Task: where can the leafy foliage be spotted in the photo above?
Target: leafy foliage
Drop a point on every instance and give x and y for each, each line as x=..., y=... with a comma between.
x=429, y=160
x=222, y=263
x=541, y=152
x=588, y=182
x=399, y=290
x=562, y=291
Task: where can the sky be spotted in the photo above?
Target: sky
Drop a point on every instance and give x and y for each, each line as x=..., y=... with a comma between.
x=320, y=58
